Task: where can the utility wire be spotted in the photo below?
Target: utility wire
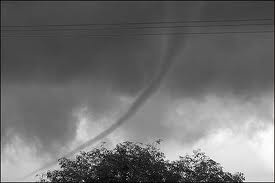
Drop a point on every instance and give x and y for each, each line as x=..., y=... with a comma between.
x=142, y=34
x=139, y=23
x=131, y=28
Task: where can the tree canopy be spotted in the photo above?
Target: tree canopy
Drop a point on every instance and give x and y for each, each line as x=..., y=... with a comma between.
x=138, y=162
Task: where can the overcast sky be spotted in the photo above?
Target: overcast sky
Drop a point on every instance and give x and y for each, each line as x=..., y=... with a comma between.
x=60, y=91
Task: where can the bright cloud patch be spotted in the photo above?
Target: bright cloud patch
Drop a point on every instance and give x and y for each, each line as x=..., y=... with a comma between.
x=236, y=152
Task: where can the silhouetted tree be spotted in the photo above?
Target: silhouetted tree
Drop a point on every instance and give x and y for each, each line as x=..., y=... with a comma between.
x=137, y=162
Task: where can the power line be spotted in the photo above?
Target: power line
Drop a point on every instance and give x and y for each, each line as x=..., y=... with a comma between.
x=140, y=23
x=144, y=27
x=148, y=34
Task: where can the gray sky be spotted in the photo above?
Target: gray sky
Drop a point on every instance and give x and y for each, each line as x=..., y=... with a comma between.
x=220, y=86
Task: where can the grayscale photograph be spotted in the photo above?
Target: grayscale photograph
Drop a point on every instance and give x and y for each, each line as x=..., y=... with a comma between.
x=137, y=91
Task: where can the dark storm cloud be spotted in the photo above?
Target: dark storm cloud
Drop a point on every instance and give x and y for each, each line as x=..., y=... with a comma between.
x=126, y=62
x=207, y=66
x=93, y=71
x=243, y=64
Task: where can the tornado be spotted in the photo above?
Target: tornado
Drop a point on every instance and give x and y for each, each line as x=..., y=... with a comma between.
x=141, y=99
x=170, y=45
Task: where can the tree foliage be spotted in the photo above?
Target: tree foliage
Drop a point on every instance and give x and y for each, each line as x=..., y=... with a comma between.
x=137, y=162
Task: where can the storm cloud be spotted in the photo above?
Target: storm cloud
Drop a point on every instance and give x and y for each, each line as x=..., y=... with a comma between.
x=46, y=80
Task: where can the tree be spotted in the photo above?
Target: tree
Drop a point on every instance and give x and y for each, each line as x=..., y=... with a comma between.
x=137, y=162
